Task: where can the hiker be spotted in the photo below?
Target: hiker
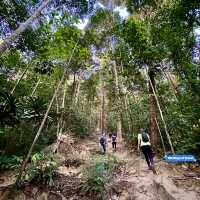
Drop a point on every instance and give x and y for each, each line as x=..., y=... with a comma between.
x=145, y=145
x=103, y=142
x=114, y=141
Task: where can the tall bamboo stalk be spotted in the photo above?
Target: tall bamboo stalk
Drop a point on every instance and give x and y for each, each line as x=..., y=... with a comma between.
x=35, y=88
x=163, y=120
x=162, y=141
x=58, y=121
x=61, y=123
x=64, y=94
x=19, y=80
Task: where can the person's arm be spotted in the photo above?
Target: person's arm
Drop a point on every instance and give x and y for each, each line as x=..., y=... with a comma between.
x=139, y=140
x=149, y=137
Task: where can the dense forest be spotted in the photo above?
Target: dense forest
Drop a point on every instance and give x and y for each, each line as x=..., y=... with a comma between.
x=81, y=68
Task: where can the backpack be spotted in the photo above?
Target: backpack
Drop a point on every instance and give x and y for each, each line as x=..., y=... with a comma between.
x=145, y=137
x=114, y=137
x=102, y=140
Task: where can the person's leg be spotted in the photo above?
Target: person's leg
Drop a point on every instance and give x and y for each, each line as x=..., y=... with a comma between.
x=150, y=155
x=115, y=145
x=145, y=152
x=104, y=148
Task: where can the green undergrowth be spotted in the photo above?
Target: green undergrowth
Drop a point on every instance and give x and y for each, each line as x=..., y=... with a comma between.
x=42, y=168
x=10, y=162
x=98, y=173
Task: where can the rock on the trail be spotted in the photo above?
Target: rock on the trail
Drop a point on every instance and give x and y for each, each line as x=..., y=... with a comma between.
x=167, y=190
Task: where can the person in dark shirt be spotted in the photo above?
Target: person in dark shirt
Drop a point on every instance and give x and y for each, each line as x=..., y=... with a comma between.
x=103, y=142
x=114, y=141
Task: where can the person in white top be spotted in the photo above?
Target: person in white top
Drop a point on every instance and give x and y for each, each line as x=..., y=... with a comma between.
x=145, y=145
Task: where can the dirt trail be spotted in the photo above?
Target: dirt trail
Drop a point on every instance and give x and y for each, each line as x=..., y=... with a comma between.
x=146, y=185
x=141, y=183
x=135, y=182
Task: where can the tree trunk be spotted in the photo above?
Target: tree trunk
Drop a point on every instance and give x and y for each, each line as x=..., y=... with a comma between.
x=73, y=87
x=64, y=94
x=119, y=123
x=128, y=116
x=103, y=111
x=90, y=115
x=102, y=104
x=77, y=92
x=161, y=137
x=153, y=109
x=61, y=123
x=129, y=112
x=162, y=118
x=23, y=26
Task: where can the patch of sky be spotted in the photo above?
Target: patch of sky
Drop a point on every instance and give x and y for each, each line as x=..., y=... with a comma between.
x=82, y=24
x=123, y=13
x=92, y=8
x=197, y=31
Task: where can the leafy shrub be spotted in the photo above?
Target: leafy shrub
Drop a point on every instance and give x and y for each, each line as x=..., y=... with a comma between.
x=42, y=169
x=98, y=174
x=10, y=162
x=36, y=106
